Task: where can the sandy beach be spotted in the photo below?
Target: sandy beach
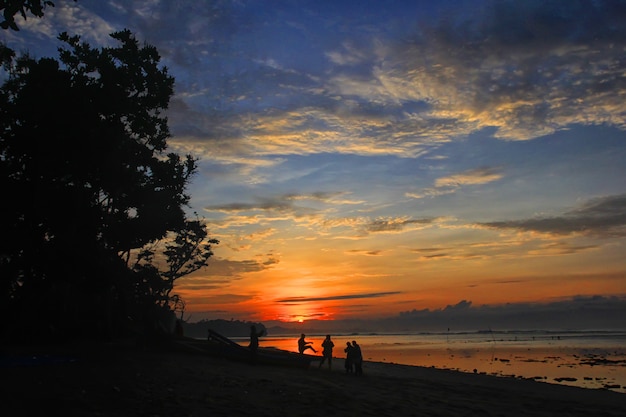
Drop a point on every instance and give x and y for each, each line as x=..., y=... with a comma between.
x=124, y=380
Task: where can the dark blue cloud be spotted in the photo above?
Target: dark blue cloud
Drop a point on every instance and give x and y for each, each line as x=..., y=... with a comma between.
x=605, y=216
x=300, y=300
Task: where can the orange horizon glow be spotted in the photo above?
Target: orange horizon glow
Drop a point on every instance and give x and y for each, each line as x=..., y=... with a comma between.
x=337, y=284
x=271, y=305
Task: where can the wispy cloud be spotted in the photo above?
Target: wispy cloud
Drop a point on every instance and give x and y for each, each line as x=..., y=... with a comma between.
x=394, y=225
x=300, y=300
x=472, y=177
x=604, y=217
x=283, y=203
x=451, y=183
x=517, y=67
x=365, y=252
x=68, y=17
x=220, y=269
x=540, y=72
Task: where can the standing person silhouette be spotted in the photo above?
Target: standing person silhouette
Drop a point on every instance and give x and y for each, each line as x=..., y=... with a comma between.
x=358, y=358
x=327, y=352
x=349, y=357
x=254, y=341
x=304, y=345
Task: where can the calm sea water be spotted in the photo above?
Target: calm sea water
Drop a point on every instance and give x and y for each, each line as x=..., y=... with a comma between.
x=591, y=359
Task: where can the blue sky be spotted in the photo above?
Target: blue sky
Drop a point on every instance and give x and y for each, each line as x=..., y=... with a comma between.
x=373, y=157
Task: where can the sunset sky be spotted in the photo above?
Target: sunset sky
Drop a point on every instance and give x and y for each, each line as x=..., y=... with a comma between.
x=367, y=158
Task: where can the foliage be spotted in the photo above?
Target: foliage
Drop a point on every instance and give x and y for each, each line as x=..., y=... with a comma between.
x=186, y=252
x=12, y=7
x=89, y=186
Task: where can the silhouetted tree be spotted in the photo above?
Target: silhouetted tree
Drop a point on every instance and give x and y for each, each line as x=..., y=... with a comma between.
x=90, y=192
x=10, y=8
x=187, y=250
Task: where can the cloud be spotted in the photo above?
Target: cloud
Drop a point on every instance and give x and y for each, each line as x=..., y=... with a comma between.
x=517, y=247
x=526, y=68
x=572, y=313
x=317, y=216
x=397, y=224
x=207, y=302
x=261, y=204
x=548, y=66
x=430, y=192
x=281, y=203
x=261, y=234
x=220, y=268
x=476, y=176
x=561, y=248
x=451, y=183
x=534, y=67
x=69, y=17
x=365, y=252
x=194, y=283
x=300, y=300
x=579, y=312
x=603, y=217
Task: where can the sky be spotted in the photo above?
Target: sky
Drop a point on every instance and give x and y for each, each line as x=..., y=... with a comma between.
x=369, y=159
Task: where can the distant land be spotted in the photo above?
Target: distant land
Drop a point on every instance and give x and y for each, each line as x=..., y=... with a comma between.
x=228, y=328
x=579, y=313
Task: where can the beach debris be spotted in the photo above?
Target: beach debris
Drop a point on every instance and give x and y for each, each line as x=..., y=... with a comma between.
x=566, y=378
x=602, y=361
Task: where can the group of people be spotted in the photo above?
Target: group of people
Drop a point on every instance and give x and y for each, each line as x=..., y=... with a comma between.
x=354, y=357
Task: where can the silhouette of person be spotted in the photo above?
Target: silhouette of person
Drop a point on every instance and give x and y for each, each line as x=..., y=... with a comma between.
x=357, y=358
x=254, y=341
x=349, y=357
x=304, y=345
x=178, y=330
x=327, y=352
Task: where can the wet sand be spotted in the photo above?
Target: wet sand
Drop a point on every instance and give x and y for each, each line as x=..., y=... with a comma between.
x=123, y=380
x=582, y=362
x=587, y=368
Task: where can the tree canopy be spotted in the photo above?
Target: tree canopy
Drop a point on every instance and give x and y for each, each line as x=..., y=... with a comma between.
x=94, y=204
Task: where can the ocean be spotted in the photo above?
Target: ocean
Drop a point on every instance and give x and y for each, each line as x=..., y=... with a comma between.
x=588, y=359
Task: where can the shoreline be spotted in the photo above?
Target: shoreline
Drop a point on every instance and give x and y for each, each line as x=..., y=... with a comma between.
x=118, y=380
x=557, y=362
x=590, y=368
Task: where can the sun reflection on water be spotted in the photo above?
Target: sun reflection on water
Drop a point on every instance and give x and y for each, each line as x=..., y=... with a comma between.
x=589, y=362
